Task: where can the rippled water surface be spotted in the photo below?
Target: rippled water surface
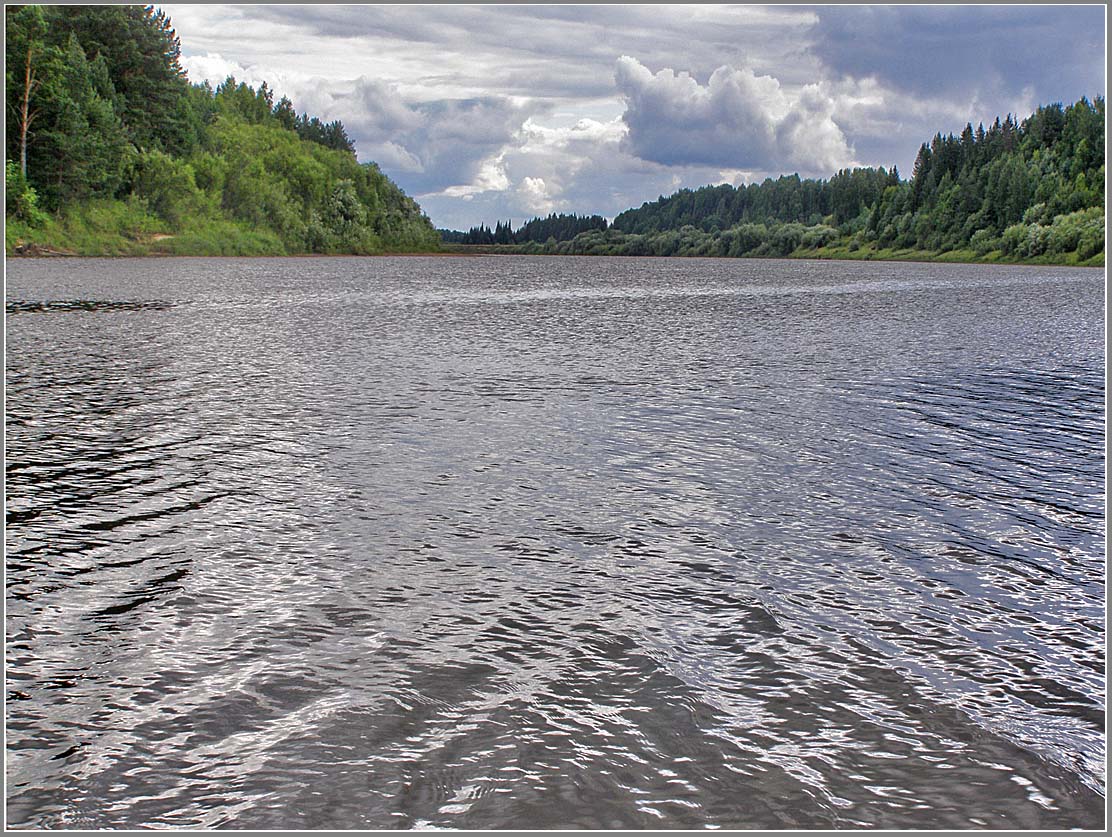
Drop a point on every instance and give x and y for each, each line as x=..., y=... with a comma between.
x=557, y=543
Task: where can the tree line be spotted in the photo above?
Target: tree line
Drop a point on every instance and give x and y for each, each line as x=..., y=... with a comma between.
x=785, y=199
x=557, y=227
x=109, y=145
x=107, y=138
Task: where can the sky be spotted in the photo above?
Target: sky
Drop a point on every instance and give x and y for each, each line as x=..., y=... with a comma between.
x=506, y=112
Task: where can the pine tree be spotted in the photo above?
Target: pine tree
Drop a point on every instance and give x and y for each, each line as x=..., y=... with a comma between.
x=143, y=54
x=285, y=115
x=81, y=148
x=27, y=51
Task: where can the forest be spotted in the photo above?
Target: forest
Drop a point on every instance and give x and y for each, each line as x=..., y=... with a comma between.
x=111, y=151
x=1015, y=191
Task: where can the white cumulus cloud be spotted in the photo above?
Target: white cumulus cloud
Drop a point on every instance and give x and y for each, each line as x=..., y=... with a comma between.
x=491, y=177
x=738, y=120
x=534, y=197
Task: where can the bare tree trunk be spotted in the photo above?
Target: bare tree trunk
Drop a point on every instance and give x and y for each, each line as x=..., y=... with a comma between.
x=25, y=115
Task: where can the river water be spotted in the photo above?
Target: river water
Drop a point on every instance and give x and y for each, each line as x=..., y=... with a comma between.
x=527, y=542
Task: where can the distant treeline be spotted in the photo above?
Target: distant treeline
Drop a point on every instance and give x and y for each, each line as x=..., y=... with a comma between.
x=110, y=147
x=787, y=199
x=1016, y=191
x=555, y=227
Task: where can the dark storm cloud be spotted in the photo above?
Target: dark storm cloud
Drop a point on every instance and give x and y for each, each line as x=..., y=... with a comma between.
x=568, y=49
x=986, y=51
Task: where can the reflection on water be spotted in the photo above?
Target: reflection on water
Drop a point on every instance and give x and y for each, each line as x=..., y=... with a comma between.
x=18, y=306
x=541, y=542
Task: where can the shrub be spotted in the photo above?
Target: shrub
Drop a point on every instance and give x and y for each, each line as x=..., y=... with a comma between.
x=1014, y=240
x=1038, y=240
x=168, y=186
x=21, y=200
x=1037, y=214
x=1091, y=242
x=1066, y=231
x=818, y=236
x=984, y=242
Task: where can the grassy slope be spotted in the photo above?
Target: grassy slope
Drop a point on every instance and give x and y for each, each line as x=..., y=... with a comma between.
x=120, y=228
x=116, y=228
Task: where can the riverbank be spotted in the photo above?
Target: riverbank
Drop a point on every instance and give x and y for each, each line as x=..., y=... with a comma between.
x=116, y=228
x=947, y=256
x=160, y=246
x=831, y=253
x=119, y=228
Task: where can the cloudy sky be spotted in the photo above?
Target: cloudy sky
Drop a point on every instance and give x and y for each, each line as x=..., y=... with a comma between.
x=491, y=112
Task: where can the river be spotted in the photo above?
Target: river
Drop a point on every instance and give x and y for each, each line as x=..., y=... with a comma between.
x=529, y=542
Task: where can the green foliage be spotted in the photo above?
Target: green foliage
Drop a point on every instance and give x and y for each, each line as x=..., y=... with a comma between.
x=786, y=199
x=125, y=152
x=168, y=186
x=775, y=240
x=81, y=148
x=984, y=242
x=1081, y=233
x=220, y=237
x=21, y=201
x=142, y=53
x=29, y=57
x=315, y=199
x=1077, y=238
x=95, y=227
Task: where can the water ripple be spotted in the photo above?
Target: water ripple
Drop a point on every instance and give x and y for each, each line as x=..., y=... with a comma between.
x=575, y=543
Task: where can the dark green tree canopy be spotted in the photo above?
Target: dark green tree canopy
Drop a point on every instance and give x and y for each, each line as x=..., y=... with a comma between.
x=556, y=227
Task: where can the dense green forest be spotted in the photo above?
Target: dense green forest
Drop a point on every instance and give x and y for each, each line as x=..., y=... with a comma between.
x=110, y=150
x=1030, y=191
